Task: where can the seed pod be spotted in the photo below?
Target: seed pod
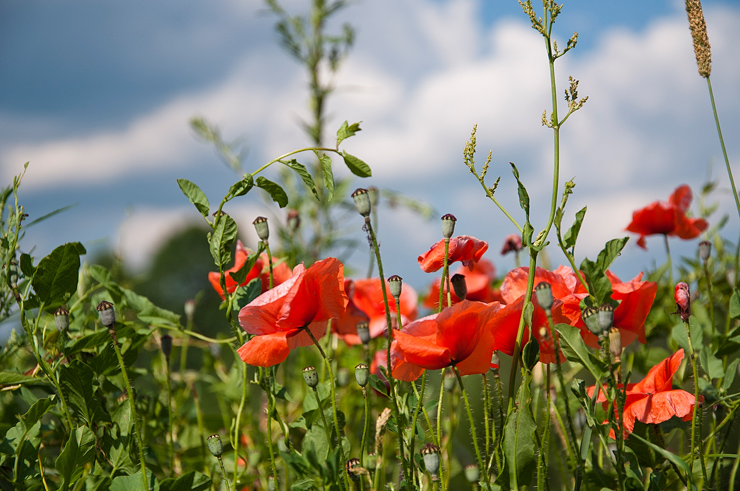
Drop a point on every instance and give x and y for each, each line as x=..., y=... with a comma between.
x=61, y=319
x=107, y=314
x=430, y=453
x=263, y=230
x=448, y=225
x=705, y=250
x=353, y=466
x=396, y=285
x=363, y=331
x=543, y=291
x=166, y=343
x=311, y=377
x=472, y=473
x=591, y=319
x=215, y=446
x=362, y=201
x=362, y=374
x=606, y=317
x=615, y=344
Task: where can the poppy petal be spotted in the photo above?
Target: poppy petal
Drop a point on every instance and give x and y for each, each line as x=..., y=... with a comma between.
x=266, y=350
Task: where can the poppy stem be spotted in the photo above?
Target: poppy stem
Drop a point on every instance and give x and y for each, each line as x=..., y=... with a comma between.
x=419, y=405
x=444, y=284
x=696, y=416
x=323, y=417
x=267, y=381
x=542, y=466
x=487, y=413
x=269, y=261
x=481, y=463
x=364, y=427
x=670, y=262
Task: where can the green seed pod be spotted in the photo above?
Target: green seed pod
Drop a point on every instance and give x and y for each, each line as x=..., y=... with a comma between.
x=362, y=374
x=215, y=446
x=591, y=319
x=396, y=285
x=362, y=201
x=430, y=453
x=543, y=291
x=311, y=376
x=107, y=314
x=263, y=231
x=472, y=473
x=61, y=319
x=606, y=317
x=448, y=225
x=363, y=331
x=705, y=250
x=271, y=483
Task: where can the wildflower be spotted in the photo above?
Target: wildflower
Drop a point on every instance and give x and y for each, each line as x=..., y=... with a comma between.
x=479, y=283
x=653, y=399
x=512, y=243
x=463, y=248
x=458, y=336
x=279, y=318
x=281, y=271
x=668, y=218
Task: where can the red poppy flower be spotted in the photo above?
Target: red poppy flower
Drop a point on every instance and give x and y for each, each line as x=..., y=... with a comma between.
x=366, y=300
x=667, y=218
x=478, y=281
x=458, y=335
x=280, y=272
x=653, y=399
x=462, y=248
x=280, y=317
x=635, y=300
x=240, y=257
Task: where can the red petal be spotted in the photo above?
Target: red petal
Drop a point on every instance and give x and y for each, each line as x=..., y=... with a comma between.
x=463, y=248
x=265, y=351
x=660, y=377
x=656, y=218
x=681, y=198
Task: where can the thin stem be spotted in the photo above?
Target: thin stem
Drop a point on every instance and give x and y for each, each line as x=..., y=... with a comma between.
x=323, y=417
x=237, y=425
x=696, y=415
x=366, y=422
x=201, y=429
x=670, y=262
x=419, y=404
x=542, y=466
x=445, y=273
x=722, y=144
x=269, y=261
x=267, y=384
x=487, y=414
x=710, y=297
x=481, y=463
x=170, y=416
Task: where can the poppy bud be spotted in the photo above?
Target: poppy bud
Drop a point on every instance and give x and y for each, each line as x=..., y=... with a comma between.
x=61, y=319
x=294, y=220
x=396, y=285
x=512, y=243
x=189, y=308
x=107, y=314
x=606, y=317
x=430, y=453
x=683, y=301
x=615, y=344
x=353, y=466
x=363, y=331
x=263, y=231
x=215, y=446
x=362, y=201
x=543, y=291
x=459, y=286
x=448, y=225
x=342, y=377
x=705, y=250
x=591, y=319
x=472, y=473
x=311, y=377
x=362, y=374
x=166, y=343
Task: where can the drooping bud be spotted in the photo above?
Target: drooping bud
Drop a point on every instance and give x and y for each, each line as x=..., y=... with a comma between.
x=395, y=283
x=512, y=243
x=263, y=230
x=472, y=473
x=543, y=291
x=342, y=377
x=362, y=374
x=61, y=319
x=682, y=296
x=363, y=331
x=362, y=201
x=615, y=344
x=591, y=319
x=311, y=376
x=294, y=220
x=606, y=317
x=459, y=286
x=705, y=250
x=430, y=453
x=215, y=446
x=448, y=225
x=107, y=314
x=166, y=343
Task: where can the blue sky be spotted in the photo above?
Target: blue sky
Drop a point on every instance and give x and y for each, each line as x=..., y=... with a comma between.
x=97, y=96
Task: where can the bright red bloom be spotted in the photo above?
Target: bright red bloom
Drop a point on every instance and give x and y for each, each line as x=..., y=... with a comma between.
x=458, y=335
x=281, y=271
x=667, y=218
x=462, y=248
x=279, y=317
x=366, y=303
x=653, y=399
x=479, y=281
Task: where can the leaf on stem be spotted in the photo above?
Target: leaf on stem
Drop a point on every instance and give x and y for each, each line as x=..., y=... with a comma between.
x=328, y=173
x=519, y=443
x=301, y=170
x=221, y=239
x=356, y=166
x=347, y=130
x=195, y=195
x=55, y=278
x=277, y=193
x=242, y=187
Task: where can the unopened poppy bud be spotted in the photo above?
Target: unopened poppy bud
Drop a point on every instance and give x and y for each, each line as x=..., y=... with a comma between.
x=311, y=377
x=263, y=230
x=353, y=466
x=363, y=331
x=682, y=297
x=107, y=314
x=166, y=343
x=472, y=473
x=448, y=225
x=294, y=220
x=459, y=286
x=430, y=453
x=705, y=250
x=271, y=483
x=362, y=374
x=396, y=285
x=61, y=319
x=215, y=446
x=362, y=201
x=591, y=319
x=512, y=243
x=606, y=317
x=342, y=377
x=189, y=308
x=615, y=344
x=543, y=291
x=449, y=381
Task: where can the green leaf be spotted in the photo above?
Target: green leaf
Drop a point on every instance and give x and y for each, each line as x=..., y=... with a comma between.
x=730, y=374
x=240, y=276
x=531, y=353
x=15, y=378
x=735, y=304
x=301, y=170
x=242, y=187
x=243, y=296
x=576, y=351
x=134, y=482
x=328, y=174
x=347, y=130
x=711, y=364
x=277, y=193
x=37, y=410
x=356, y=166
x=195, y=195
x=77, y=453
x=27, y=267
x=570, y=237
x=77, y=383
x=611, y=251
x=56, y=275
x=192, y=481
x=678, y=461
x=521, y=191
x=149, y=313
x=519, y=443
x=221, y=239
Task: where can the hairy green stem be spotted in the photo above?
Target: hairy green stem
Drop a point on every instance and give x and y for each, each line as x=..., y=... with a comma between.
x=696, y=415
x=481, y=463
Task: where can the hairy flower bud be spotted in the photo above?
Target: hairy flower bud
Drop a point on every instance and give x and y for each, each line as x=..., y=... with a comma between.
x=682, y=296
x=215, y=446
x=512, y=243
x=166, y=343
x=430, y=453
x=362, y=201
x=311, y=376
x=263, y=230
x=362, y=374
x=448, y=225
x=543, y=291
x=396, y=285
x=107, y=314
x=459, y=286
x=61, y=319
